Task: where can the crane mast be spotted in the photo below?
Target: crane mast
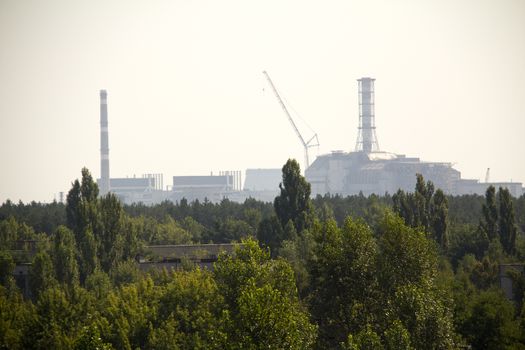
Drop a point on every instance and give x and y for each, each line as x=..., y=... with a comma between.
x=306, y=144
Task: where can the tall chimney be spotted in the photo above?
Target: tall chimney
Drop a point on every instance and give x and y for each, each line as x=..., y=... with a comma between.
x=104, y=144
x=366, y=138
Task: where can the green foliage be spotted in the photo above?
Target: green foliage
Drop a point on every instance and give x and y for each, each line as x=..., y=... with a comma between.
x=100, y=232
x=131, y=311
x=271, y=234
x=343, y=282
x=90, y=339
x=262, y=303
x=466, y=239
x=482, y=274
x=489, y=323
x=166, y=336
x=125, y=272
x=498, y=221
x=298, y=252
x=439, y=219
x=11, y=231
x=370, y=283
x=397, y=337
x=232, y=230
x=99, y=284
x=55, y=326
x=64, y=256
x=366, y=339
x=424, y=209
x=294, y=203
x=41, y=274
x=16, y=316
x=271, y=319
x=191, y=306
x=165, y=231
x=489, y=223
x=88, y=247
x=358, y=280
x=40, y=217
x=111, y=214
x=507, y=222
x=407, y=256
x=7, y=266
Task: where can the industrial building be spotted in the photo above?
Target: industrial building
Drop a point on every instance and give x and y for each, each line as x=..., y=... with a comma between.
x=262, y=184
x=212, y=188
x=368, y=170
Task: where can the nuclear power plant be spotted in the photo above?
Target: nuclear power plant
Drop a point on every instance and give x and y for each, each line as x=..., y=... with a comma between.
x=366, y=170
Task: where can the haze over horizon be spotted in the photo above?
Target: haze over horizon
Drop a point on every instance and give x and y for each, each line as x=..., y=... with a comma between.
x=186, y=94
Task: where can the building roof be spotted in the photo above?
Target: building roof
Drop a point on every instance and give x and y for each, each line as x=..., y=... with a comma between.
x=188, y=181
x=115, y=183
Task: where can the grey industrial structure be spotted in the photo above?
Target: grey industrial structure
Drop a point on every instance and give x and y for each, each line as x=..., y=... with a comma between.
x=104, y=144
x=366, y=170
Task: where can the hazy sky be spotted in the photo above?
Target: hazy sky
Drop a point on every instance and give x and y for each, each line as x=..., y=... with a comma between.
x=186, y=95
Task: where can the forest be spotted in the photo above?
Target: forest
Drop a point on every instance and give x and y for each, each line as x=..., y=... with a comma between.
x=409, y=270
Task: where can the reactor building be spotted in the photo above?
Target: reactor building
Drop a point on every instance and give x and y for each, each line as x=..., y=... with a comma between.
x=368, y=170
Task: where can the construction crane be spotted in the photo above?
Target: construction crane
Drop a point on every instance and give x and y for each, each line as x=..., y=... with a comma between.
x=312, y=142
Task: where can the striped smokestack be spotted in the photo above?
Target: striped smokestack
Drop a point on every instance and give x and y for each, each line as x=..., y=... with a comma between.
x=104, y=144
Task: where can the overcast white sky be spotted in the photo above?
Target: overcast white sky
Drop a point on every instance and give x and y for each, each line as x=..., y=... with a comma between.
x=186, y=94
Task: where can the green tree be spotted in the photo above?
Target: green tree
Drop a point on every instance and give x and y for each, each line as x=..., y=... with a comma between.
x=366, y=339
x=7, y=266
x=125, y=272
x=109, y=238
x=358, y=280
x=506, y=221
x=343, y=281
x=41, y=274
x=98, y=224
x=83, y=218
x=90, y=339
x=131, y=311
x=489, y=222
x=99, y=284
x=271, y=234
x=439, y=218
x=166, y=336
x=407, y=272
x=407, y=256
x=490, y=322
x=64, y=256
x=191, y=308
x=293, y=203
x=263, y=309
x=16, y=318
x=88, y=247
x=424, y=195
x=8, y=233
x=397, y=337
x=55, y=325
x=425, y=208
